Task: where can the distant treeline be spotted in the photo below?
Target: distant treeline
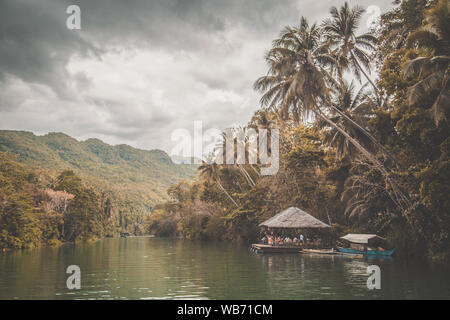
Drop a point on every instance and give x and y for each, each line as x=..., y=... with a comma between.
x=369, y=155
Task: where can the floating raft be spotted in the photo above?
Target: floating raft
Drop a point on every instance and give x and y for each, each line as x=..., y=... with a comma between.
x=266, y=248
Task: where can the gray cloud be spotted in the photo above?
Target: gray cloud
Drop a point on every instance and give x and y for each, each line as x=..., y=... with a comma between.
x=138, y=69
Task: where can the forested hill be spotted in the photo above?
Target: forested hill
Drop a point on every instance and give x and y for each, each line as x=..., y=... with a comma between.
x=135, y=177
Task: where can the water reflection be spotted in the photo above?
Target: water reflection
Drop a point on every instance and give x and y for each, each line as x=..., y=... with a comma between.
x=150, y=268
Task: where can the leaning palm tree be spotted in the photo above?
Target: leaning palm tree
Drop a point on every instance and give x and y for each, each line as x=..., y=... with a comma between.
x=432, y=69
x=363, y=193
x=351, y=106
x=210, y=171
x=352, y=51
x=298, y=81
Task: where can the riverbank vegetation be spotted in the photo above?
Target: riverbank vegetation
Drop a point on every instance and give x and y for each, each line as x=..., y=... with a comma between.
x=364, y=136
x=37, y=212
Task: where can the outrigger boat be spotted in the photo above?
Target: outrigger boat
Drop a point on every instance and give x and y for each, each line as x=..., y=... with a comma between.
x=359, y=244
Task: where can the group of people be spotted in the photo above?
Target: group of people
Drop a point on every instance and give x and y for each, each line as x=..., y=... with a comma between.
x=280, y=241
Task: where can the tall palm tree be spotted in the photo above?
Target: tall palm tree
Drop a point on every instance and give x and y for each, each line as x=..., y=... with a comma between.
x=210, y=171
x=352, y=51
x=296, y=71
x=299, y=82
x=433, y=69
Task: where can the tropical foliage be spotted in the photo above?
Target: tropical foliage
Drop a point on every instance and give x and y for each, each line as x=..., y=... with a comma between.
x=364, y=136
x=33, y=212
x=135, y=180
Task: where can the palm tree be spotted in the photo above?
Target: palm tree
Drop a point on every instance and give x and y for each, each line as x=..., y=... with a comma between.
x=363, y=194
x=210, y=171
x=299, y=82
x=263, y=119
x=350, y=106
x=222, y=150
x=349, y=49
x=296, y=76
x=433, y=70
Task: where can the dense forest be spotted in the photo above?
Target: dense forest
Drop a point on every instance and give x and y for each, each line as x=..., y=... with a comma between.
x=54, y=188
x=33, y=214
x=364, y=136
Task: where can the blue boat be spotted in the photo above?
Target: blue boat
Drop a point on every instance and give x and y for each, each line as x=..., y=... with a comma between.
x=367, y=252
x=359, y=244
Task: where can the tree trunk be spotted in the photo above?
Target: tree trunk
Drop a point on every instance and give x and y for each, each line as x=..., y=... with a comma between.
x=228, y=195
x=367, y=134
x=398, y=197
x=247, y=177
x=365, y=74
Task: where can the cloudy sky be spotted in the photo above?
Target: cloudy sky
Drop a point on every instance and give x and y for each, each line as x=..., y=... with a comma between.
x=139, y=69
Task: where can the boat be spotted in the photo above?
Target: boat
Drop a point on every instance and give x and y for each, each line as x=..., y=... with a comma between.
x=366, y=252
x=267, y=248
x=359, y=245
x=319, y=251
x=125, y=234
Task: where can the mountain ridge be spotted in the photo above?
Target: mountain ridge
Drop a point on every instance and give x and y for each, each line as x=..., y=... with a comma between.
x=136, y=178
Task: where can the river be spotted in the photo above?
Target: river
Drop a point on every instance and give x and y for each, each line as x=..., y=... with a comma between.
x=154, y=268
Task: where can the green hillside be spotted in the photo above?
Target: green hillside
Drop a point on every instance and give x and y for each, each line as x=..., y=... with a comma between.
x=136, y=179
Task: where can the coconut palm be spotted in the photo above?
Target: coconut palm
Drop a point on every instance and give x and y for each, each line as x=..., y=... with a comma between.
x=351, y=106
x=363, y=194
x=352, y=51
x=298, y=82
x=210, y=171
x=433, y=70
x=262, y=119
x=239, y=143
x=296, y=71
x=267, y=120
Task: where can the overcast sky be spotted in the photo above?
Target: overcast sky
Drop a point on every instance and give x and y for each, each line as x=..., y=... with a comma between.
x=139, y=69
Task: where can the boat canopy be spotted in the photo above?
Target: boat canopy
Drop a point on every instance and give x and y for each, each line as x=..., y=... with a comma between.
x=293, y=218
x=360, y=238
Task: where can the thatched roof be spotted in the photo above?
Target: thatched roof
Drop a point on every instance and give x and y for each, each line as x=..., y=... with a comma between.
x=293, y=218
x=360, y=238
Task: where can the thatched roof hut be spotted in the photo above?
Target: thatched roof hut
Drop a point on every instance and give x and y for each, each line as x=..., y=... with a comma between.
x=294, y=218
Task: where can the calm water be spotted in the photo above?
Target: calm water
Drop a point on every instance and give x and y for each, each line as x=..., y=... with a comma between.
x=151, y=268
